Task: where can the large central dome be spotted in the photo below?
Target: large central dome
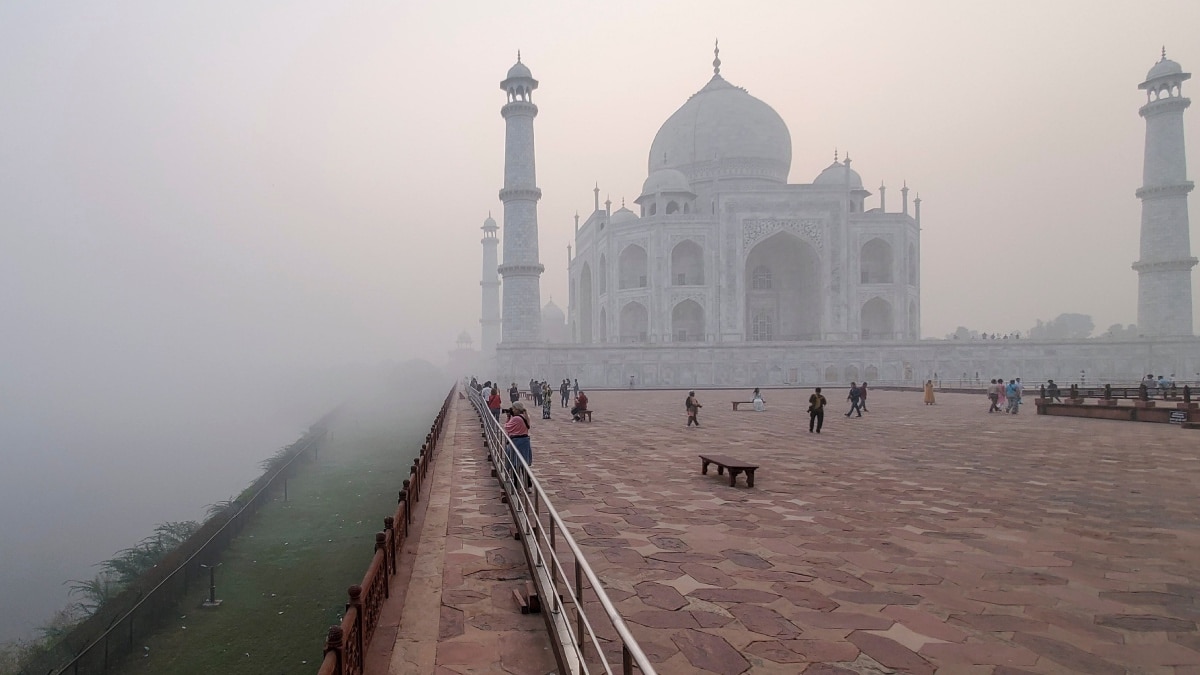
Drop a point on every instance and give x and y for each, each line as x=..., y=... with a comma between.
x=722, y=131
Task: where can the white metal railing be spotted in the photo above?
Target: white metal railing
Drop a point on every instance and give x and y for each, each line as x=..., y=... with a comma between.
x=543, y=532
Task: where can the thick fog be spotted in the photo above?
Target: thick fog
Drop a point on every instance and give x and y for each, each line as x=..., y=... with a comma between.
x=214, y=216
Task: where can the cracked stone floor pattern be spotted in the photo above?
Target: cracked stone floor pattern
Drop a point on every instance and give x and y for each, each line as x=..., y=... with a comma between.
x=916, y=539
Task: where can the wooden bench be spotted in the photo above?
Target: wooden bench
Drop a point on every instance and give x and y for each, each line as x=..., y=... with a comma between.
x=737, y=403
x=735, y=467
x=585, y=415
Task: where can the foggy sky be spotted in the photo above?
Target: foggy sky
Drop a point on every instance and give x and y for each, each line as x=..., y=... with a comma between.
x=201, y=198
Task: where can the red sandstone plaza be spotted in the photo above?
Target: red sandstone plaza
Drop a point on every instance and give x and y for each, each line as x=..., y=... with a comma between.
x=917, y=539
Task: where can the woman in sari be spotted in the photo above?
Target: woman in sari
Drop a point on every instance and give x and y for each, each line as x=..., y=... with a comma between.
x=547, y=396
x=929, y=392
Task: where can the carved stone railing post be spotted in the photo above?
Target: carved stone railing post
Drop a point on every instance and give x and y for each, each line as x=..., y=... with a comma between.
x=333, y=643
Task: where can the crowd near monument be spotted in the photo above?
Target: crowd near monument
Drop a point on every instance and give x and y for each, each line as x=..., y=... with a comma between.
x=723, y=273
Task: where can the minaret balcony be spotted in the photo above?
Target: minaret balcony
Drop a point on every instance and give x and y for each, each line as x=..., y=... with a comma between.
x=519, y=108
x=1161, y=191
x=528, y=194
x=1181, y=265
x=521, y=270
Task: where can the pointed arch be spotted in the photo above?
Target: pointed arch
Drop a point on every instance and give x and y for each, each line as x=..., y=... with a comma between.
x=585, y=305
x=687, y=264
x=875, y=262
x=633, y=268
x=876, y=320
x=687, y=322
x=850, y=374
x=635, y=322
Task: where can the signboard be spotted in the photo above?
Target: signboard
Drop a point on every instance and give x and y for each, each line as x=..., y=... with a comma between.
x=1178, y=416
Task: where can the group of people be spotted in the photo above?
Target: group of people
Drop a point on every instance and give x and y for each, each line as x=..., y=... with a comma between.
x=1007, y=394
x=540, y=393
x=1163, y=383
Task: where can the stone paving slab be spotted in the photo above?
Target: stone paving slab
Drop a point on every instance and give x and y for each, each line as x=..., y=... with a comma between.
x=459, y=615
x=916, y=539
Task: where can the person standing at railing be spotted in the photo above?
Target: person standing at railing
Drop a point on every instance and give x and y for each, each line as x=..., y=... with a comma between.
x=517, y=428
x=494, y=403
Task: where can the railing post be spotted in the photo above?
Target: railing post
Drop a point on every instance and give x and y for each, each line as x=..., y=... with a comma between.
x=333, y=643
x=579, y=608
x=407, y=510
x=389, y=526
x=355, y=593
x=381, y=545
x=626, y=659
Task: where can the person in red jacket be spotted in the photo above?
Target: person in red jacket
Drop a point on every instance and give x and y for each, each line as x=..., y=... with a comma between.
x=581, y=402
x=494, y=403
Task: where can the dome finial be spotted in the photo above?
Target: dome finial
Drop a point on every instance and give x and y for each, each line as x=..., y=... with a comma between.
x=716, y=57
x=1164, y=53
x=518, y=56
x=835, y=159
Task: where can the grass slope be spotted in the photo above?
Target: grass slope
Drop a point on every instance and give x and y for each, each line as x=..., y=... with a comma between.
x=283, y=581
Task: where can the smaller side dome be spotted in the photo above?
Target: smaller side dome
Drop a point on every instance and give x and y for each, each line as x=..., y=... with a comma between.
x=623, y=215
x=553, y=314
x=666, y=180
x=835, y=174
x=464, y=338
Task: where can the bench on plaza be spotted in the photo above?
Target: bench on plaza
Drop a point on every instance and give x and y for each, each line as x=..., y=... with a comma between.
x=584, y=414
x=734, y=466
x=737, y=403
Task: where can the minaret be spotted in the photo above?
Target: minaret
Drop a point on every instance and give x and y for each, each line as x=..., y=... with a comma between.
x=1165, y=268
x=490, y=285
x=521, y=270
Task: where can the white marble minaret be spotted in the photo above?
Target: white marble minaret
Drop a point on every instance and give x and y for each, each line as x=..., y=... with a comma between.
x=1165, y=268
x=490, y=284
x=522, y=316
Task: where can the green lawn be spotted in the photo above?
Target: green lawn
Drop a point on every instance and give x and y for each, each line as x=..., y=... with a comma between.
x=283, y=581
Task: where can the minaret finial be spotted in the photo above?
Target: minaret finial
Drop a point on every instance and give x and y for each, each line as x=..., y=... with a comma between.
x=716, y=57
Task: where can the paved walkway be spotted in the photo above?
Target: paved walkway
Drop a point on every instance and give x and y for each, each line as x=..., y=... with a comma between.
x=459, y=615
x=916, y=539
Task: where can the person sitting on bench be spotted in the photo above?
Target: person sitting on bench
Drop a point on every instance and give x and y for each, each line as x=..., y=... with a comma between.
x=581, y=402
x=759, y=404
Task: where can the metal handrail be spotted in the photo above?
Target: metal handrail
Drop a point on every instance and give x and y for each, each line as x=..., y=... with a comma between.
x=527, y=507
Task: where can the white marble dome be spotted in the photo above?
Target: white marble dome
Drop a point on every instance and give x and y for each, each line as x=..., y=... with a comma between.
x=519, y=70
x=723, y=122
x=1163, y=68
x=835, y=174
x=665, y=180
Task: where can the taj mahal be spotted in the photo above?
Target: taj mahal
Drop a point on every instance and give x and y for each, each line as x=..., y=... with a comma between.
x=722, y=272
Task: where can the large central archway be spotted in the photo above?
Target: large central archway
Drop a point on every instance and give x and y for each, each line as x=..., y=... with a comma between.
x=783, y=290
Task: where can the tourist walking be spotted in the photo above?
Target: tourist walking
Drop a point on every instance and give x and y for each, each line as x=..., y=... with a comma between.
x=862, y=396
x=1001, y=398
x=855, y=398
x=929, y=399
x=692, y=406
x=993, y=394
x=1014, y=399
x=564, y=390
x=1052, y=392
x=517, y=428
x=757, y=399
x=486, y=392
x=576, y=388
x=816, y=411
x=514, y=394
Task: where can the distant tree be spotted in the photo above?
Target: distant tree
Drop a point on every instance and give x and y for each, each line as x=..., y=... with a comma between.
x=963, y=333
x=1063, y=327
x=1118, y=332
x=93, y=593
